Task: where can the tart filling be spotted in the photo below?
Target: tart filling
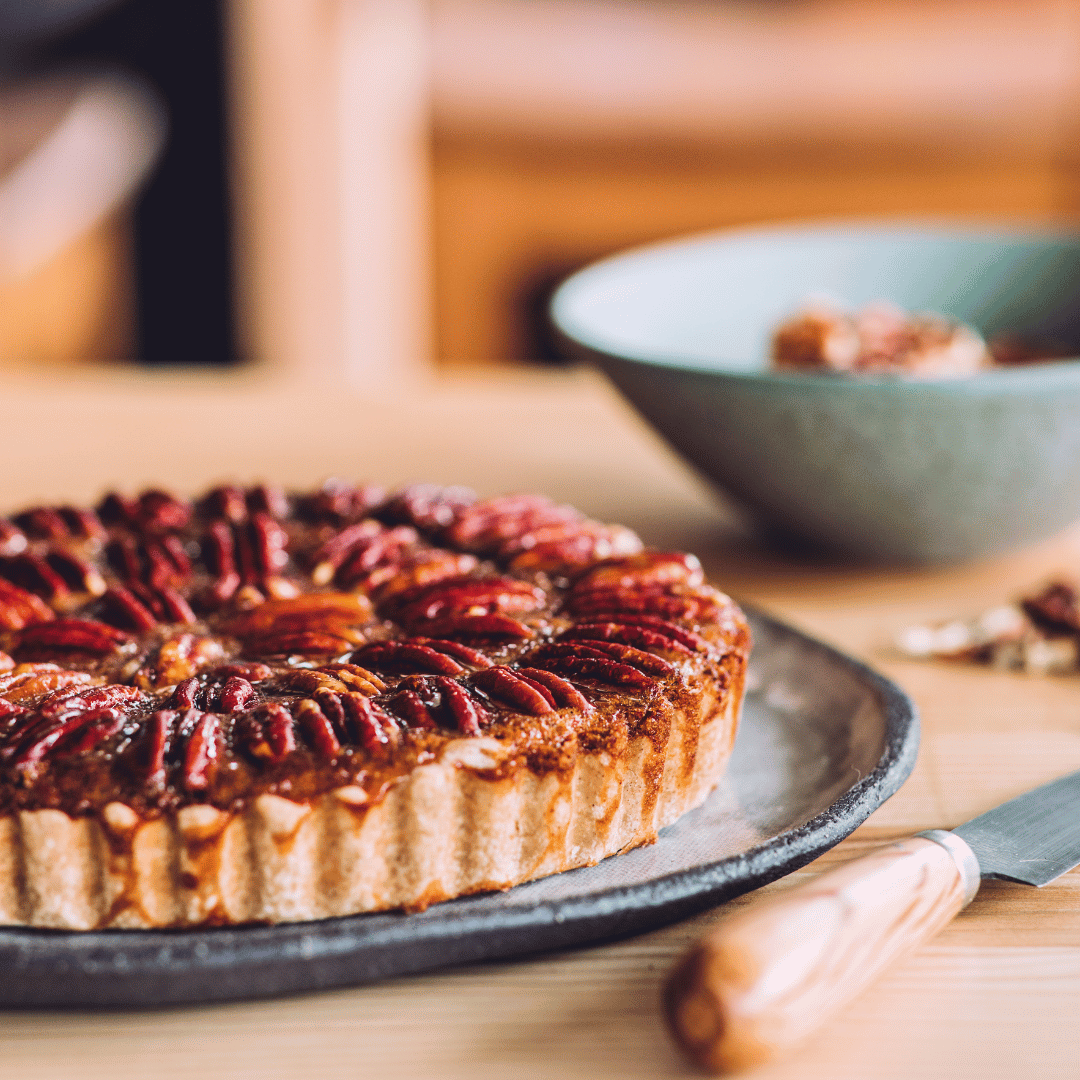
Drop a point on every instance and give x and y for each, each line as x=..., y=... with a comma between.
x=270, y=707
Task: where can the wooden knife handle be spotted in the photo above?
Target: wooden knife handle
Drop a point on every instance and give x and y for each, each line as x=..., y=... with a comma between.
x=770, y=975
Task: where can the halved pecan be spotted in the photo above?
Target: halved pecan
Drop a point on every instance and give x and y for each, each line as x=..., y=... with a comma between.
x=96, y=712
x=121, y=608
x=583, y=662
x=335, y=677
x=178, y=658
x=569, y=547
x=339, y=503
x=466, y=596
x=148, y=598
x=269, y=542
x=484, y=526
x=201, y=751
x=252, y=672
x=458, y=651
x=468, y=715
x=268, y=499
x=78, y=574
x=124, y=557
x=359, y=719
x=1055, y=609
x=29, y=683
x=117, y=509
x=422, y=566
x=83, y=522
x=387, y=550
x=110, y=696
x=356, y=677
x=566, y=695
x=188, y=694
x=158, y=732
x=32, y=572
x=159, y=511
x=308, y=680
x=235, y=695
x=429, y=507
x=692, y=641
x=315, y=611
x=160, y=570
x=404, y=657
x=374, y=728
x=408, y=705
x=648, y=568
x=44, y=522
x=12, y=538
x=8, y=715
x=76, y=635
x=483, y=627
x=625, y=654
x=245, y=555
x=640, y=636
x=19, y=608
x=302, y=643
x=568, y=531
x=227, y=502
x=315, y=724
x=219, y=552
x=175, y=608
x=174, y=548
x=509, y=687
x=337, y=549
x=97, y=725
x=611, y=604
x=267, y=732
x=36, y=744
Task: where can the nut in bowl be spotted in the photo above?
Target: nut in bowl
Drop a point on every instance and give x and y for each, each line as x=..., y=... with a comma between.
x=904, y=470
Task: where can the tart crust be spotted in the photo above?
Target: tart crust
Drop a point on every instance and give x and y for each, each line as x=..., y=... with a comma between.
x=535, y=790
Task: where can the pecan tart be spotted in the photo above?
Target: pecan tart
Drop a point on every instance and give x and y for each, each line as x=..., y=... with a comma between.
x=270, y=707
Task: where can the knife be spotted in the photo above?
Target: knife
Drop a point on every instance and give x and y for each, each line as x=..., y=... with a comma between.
x=771, y=974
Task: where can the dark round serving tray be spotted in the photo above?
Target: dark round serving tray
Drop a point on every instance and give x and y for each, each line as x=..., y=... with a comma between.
x=824, y=741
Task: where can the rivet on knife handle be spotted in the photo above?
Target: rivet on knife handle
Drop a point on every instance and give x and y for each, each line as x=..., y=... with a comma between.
x=771, y=974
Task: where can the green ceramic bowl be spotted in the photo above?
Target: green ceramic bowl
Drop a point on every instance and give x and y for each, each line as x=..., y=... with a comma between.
x=910, y=472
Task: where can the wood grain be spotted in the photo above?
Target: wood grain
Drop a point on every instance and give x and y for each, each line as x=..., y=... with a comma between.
x=771, y=975
x=993, y=997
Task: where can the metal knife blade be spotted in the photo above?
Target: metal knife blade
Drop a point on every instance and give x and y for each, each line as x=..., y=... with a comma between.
x=1033, y=838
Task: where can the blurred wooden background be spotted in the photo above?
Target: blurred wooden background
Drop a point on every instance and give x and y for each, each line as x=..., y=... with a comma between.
x=411, y=176
x=566, y=129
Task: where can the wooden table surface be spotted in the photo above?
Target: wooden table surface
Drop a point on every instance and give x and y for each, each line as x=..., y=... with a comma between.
x=996, y=995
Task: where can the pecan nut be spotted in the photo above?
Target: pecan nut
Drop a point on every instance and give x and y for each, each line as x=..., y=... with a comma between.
x=467, y=714
x=75, y=635
x=267, y=732
x=585, y=663
x=641, y=637
x=405, y=657
x=20, y=608
x=513, y=689
x=201, y=750
x=564, y=693
x=318, y=729
x=645, y=569
x=626, y=654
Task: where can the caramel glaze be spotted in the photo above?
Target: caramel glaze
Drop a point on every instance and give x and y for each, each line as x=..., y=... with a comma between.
x=116, y=769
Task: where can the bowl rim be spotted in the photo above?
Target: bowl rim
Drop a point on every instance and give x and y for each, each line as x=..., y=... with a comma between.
x=1039, y=376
